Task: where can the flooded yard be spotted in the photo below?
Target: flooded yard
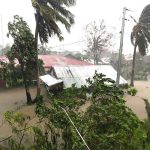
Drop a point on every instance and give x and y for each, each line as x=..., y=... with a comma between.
x=15, y=99
x=12, y=99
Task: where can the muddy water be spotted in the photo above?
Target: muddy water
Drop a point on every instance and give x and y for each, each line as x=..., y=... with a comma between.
x=11, y=99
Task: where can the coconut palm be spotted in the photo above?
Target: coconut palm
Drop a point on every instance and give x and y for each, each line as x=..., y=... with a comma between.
x=140, y=37
x=47, y=14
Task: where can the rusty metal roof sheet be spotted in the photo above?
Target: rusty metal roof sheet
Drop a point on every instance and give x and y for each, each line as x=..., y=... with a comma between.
x=49, y=80
x=58, y=60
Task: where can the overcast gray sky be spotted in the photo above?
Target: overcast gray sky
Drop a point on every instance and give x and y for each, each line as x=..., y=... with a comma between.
x=85, y=11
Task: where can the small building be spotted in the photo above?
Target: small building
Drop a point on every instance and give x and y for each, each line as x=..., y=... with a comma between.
x=58, y=60
x=72, y=71
x=76, y=74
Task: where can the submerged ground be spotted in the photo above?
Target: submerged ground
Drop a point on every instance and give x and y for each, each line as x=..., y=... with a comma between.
x=14, y=99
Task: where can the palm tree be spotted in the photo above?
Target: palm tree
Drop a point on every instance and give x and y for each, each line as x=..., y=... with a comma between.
x=140, y=37
x=47, y=14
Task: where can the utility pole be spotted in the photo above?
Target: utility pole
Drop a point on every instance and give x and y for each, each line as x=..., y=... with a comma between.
x=121, y=47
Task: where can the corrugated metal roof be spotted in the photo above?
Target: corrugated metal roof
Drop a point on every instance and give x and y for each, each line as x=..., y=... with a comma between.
x=78, y=74
x=58, y=60
x=53, y=60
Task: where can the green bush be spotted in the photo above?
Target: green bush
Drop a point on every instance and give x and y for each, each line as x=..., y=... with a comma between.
x=132, y=91
x=106, y=124
x=20, y=82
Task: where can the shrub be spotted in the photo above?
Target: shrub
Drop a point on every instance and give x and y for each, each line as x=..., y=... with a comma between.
x=105, y=124
x=132, y=91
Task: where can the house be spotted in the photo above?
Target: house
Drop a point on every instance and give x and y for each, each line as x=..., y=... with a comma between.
x=58, y=60
x=50, y=61
x=77, y=74
x=72, y=71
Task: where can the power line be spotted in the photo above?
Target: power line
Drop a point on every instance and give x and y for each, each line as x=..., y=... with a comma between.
x=69, y=44
x=75, y=127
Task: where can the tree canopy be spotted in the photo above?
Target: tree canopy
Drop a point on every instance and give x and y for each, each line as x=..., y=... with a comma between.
x=23, y=50
x=48, y=13
x=98, y=40
x=140, y=36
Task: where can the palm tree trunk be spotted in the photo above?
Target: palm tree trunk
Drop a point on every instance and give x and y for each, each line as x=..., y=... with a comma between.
x=133, y=66
x=36, y=48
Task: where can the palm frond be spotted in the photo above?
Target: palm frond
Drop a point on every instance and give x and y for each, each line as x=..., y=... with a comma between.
x=63, y=21
x=145, y=20
x=142, y=44
x=49, y=18
x=60, y=9
x=147, y=34
x=66, y=2
x=43, y=31
x=49, y=13
x=145, y=12
x=52, y=11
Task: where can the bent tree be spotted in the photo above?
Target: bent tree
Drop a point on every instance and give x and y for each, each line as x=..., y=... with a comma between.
x=23, y=50
x=98, y=40
x=140, y=37
x=47, y=14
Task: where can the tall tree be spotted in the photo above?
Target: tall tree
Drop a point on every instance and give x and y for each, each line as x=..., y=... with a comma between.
x=140, y=37
x=23, y=50
x=47, y=14
x=98, y=40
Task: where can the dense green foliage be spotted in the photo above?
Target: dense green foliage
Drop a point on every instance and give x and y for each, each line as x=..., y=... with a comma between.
x=12, y=76
x=132, y=91
x=8, y=75
x=23, y=50
x=99, y=113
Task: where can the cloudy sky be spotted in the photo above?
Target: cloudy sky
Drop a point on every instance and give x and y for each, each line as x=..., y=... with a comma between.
x=85, y=11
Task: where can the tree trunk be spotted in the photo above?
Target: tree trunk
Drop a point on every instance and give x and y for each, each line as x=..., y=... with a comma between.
x=133, y=66
x=28, y=95
x=96, y=59
x=36, y=48
x=97, y=56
